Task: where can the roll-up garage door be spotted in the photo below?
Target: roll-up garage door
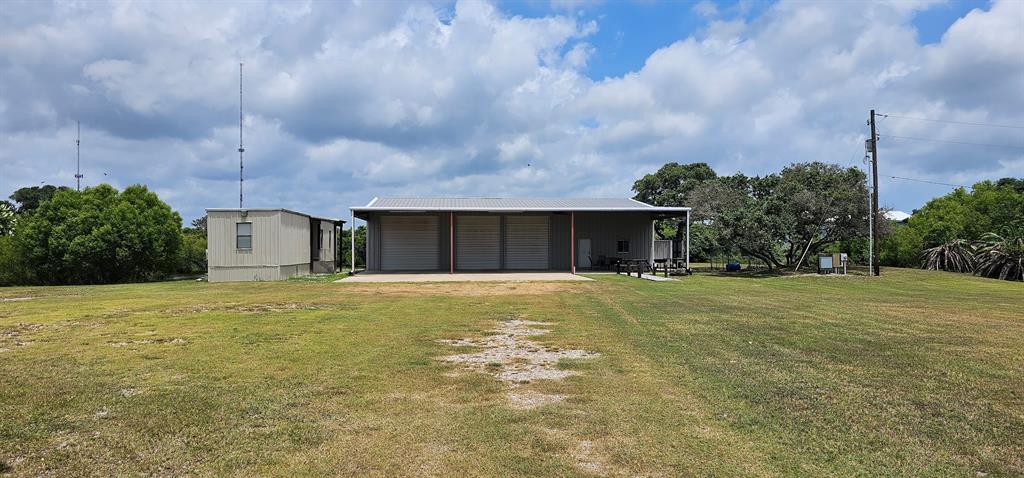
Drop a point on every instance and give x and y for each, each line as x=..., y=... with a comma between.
x=409, y=243
x=477, y=242
x=526, y=242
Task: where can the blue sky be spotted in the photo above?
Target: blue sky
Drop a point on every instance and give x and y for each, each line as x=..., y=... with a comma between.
x=351, y=100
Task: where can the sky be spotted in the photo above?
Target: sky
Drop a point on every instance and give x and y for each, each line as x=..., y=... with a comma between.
x=346, y=101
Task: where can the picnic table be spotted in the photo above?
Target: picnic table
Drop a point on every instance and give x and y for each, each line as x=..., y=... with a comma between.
x=630, y=264
x=664, y=263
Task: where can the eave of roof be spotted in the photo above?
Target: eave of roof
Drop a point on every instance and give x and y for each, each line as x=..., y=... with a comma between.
x=271, y=209
x=494, y=205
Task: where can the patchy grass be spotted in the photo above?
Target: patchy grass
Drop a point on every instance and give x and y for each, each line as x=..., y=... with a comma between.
x=916, y=373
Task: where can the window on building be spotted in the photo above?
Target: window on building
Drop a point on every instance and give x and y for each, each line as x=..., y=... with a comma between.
x=243, y=235
x=320, y=240
x=622, y=247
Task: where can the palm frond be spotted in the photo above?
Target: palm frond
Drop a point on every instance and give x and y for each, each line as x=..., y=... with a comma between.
x=1001, y=256
x=953, y=256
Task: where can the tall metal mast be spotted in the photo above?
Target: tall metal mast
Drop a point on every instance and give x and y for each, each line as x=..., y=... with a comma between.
x=241, y=149
x=78, y=158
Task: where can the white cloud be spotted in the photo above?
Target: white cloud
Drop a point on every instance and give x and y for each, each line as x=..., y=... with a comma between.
x=350, y=101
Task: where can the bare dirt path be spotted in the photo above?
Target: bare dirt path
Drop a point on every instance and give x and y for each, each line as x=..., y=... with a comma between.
x=512, y=358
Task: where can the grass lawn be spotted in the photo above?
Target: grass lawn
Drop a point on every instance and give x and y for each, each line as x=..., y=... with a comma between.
x=915, y=373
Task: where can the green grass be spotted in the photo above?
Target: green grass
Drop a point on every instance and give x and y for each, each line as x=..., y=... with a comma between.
x=914, y=373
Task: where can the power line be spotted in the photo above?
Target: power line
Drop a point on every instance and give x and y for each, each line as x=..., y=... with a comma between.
x=954, y=122
x=993, y=145
x=926, y=181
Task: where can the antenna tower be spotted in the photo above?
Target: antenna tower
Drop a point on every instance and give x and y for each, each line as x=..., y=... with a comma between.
x=78, y=158
x=241, y=149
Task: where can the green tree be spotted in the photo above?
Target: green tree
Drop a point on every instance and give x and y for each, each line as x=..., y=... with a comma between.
x=198, y=226
x=345, y=247
x=959, y=217
x=744, y=215
x=100, y=236
x=192, y=255
x=8, y=218
x=783, y=219
x=1016, y=184
x=902, y=247
x=30, y=198
x=988, y=207
x=12, y=269
x=670, y=186
x=821, y=204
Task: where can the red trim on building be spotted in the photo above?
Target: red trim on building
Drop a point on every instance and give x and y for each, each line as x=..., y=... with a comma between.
x=451, y=242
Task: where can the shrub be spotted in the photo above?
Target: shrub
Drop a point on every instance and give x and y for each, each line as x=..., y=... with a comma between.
x=11, y=266
x=192, y=256
x=100, y=236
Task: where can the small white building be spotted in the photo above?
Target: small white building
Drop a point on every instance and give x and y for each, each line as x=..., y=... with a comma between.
x=262, y=244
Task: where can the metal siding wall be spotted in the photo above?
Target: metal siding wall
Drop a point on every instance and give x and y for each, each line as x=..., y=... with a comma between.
x=293, y=246
x=527, y=241
x=221, y=239
x=605, y=229
x=372, y=242
x=444, y=240
x=560, y=242
x=662, y=249
x=477, y=242
x=409, y=242
x=293, y=270
x=327, y=251
x=244, y=273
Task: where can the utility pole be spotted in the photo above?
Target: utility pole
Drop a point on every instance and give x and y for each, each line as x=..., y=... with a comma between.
x=78, y=158
x=875, y=246
x=241, y=149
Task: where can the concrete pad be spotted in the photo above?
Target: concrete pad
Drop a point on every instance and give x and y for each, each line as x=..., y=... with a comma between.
x=656, y=278
x=463, y=277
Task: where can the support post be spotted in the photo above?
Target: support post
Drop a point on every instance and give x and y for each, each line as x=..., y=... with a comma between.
x=650, y=259
x=572, y=241
x=352, y=271
x=451, y=242
x=687, y=241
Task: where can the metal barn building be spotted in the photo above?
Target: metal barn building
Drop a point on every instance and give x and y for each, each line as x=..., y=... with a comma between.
x=256, y=244
x=497, y=234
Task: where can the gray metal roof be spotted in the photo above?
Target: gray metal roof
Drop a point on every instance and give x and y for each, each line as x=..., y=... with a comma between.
x=271, y=209
x=512, y=204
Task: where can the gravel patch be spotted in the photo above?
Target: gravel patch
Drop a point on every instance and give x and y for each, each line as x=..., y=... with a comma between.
x=512, y=358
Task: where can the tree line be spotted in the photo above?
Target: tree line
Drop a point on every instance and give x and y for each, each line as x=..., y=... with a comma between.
x=56, y=235
x=979, y=231
x=786, y=219
x=783, y=219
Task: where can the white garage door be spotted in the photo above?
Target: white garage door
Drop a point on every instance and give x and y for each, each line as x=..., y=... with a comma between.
x=526, y=242
x=477, y=242
x=409, y=243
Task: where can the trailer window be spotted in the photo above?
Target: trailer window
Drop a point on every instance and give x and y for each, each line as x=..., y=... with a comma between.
x=243, y=235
